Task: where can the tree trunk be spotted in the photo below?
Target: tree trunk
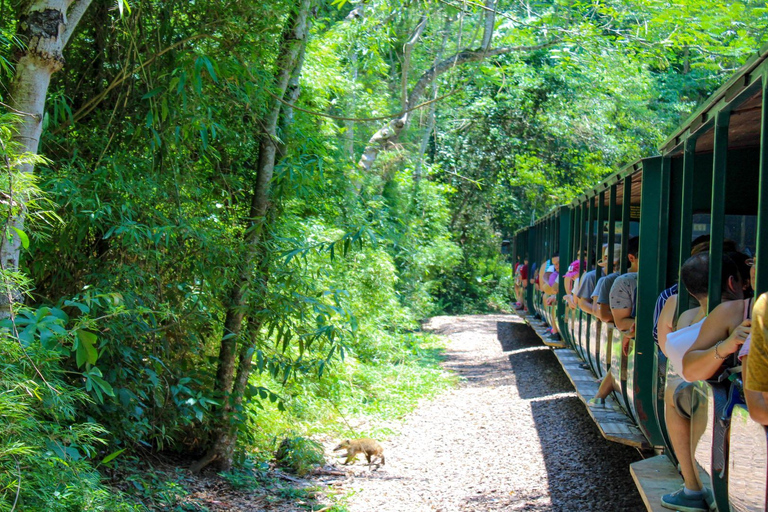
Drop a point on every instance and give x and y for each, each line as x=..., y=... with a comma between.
x=229, y=387
x=433, y=106
x=349, y=125
x=489, y=25
x=44, y=27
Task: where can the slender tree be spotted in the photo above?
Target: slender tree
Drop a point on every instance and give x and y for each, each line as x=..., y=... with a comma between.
x=231, y=384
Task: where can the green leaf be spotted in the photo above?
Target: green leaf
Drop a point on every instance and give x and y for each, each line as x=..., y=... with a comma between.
x=104, y=385
x=86, y=351
x=153, y=92
x=112, y=456
x=209, y=67
x=22, y=236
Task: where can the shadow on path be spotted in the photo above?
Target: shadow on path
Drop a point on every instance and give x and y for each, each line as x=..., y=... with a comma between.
x=584, y=470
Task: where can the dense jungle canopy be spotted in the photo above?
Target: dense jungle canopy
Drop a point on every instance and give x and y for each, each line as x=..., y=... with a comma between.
x=223, y=216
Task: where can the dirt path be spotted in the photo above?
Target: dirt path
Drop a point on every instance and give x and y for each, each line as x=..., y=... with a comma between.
x=513, y=436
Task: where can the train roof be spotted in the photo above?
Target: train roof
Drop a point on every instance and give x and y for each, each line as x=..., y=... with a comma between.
x=742, y=95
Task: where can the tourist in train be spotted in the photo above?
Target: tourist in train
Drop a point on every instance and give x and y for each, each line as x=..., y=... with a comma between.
x=551, y=288
x=621, y=299
x=754, y=368
x=571, y=280
x=725, y=329
x=664, y=316
x=552, y=280
x=677, y=399
x=623, y=295
x=601, y=295
x=699, y=244
x=676, y=345
x=521, y=280
x=587, y=285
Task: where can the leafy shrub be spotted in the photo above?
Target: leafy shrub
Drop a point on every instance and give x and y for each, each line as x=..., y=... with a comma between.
x=45, y=451
x=299, y=454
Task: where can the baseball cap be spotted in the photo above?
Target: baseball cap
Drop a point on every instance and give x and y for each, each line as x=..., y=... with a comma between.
x=573, y=269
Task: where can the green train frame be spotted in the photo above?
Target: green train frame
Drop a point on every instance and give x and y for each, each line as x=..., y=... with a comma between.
x=715, y=163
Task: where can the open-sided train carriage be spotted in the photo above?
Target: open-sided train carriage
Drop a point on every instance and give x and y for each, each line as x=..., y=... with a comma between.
x=710, y=178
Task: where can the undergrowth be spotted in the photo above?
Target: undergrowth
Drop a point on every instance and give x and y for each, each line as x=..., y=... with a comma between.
x=359, y=399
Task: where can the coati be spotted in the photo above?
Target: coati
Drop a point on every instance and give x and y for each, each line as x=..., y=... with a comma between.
x=369, y=447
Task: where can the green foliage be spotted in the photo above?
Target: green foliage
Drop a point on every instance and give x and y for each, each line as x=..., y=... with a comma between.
x=44, y=448
x=299, y=454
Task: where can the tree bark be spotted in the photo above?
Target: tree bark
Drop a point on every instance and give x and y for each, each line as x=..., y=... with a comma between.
x=44, y=27
x=230, y=387
x=490, y=23
x=433, y=106
x=386, y=136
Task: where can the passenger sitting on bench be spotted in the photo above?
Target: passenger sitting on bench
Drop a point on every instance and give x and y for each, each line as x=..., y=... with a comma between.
x=571, y=280
x=521, y=281
x=601, y=303
x=551, y=287
x=587, y=286
x=622, y=298
x=695, y=276
x=699, y=244
x=552, y=283
x=755, y=360
x=623, y=294
x=677, y=398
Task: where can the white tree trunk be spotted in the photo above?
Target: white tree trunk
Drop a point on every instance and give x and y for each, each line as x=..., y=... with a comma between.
x=45, y=28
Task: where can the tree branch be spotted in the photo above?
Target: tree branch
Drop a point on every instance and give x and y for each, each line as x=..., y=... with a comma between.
x=386, y=135
x=74, y=15
x=407, y=49
x=465, y=57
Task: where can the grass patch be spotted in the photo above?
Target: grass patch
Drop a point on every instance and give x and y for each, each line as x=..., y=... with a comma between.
x=361, y=397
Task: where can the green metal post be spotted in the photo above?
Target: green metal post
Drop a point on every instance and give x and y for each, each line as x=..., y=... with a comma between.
x=648, y=289
x=686, y=217
x=591, y=228
x=717, y=211
x=599, y=230
x=582, y=232
x=611, y=220
x=565, y=237
x=531, y=260
x=661, y=274
x=626, y=219
x=761, y=279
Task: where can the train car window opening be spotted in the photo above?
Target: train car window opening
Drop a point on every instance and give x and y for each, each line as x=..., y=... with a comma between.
x=742, y=229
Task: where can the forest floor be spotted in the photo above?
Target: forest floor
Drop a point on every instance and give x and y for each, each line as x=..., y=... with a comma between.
x=512, y=436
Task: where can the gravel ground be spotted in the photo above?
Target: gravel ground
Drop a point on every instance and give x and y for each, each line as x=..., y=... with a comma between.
x=513, y=436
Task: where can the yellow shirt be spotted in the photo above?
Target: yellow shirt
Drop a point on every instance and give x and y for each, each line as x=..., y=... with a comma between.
x=756, y=373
